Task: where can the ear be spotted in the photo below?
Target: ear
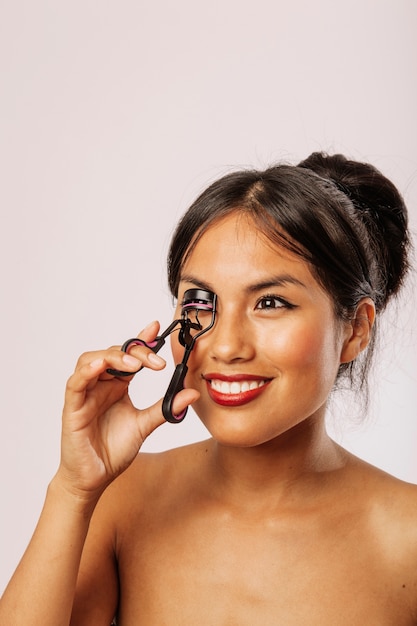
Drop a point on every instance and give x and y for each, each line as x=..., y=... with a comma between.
x=358, y=331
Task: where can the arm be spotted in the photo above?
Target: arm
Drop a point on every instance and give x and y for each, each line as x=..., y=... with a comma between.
x=102, y=433
x=97, y=589
x=42, y=588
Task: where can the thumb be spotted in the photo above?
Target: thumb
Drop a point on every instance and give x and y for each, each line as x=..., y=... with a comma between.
x=149, y=419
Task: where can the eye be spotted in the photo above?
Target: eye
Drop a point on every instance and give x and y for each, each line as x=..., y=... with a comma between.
x=267, y=303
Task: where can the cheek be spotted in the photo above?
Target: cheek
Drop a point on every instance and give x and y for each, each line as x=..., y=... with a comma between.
x=301, y=348
x=290, y=351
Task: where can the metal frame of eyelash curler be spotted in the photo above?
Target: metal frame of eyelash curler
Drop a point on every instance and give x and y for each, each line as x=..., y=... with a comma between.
x=194, y=300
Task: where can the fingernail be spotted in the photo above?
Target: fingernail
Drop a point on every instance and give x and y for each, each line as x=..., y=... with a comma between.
x=130, y=360
x=155, y=359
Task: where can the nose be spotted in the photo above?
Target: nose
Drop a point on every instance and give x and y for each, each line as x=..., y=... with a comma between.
x=230, y=340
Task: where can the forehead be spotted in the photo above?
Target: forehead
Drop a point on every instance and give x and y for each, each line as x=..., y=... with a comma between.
x=235, y=247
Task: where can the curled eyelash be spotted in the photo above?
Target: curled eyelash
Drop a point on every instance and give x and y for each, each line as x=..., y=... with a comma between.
x=284, y=304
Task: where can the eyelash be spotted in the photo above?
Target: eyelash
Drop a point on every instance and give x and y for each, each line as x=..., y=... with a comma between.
x=283, y=304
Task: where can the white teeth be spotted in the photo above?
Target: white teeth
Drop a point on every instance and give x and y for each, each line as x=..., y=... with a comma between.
x=236, y=386
x=224, y=387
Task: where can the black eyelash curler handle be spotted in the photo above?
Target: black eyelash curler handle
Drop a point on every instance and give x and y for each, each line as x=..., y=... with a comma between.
x=177, y=380
x=176, y=384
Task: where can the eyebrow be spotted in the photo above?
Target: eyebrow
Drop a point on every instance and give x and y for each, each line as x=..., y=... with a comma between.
x=189, y=278
x=280, y=280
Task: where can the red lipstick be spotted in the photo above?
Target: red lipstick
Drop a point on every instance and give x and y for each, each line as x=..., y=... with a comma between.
x=235, y=390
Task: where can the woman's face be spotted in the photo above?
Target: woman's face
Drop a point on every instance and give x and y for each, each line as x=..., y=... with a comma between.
x=271, y=358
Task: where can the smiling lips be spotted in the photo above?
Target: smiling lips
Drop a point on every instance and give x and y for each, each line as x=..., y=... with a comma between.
x=234, y=390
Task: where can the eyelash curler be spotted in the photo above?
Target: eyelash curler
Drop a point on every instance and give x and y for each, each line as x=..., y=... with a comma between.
x=198, y=314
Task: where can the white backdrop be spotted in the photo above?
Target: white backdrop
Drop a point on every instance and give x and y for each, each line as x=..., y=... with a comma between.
x=114, y=115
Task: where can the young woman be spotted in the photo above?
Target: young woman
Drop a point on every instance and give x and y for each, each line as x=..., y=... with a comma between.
x=269, y=521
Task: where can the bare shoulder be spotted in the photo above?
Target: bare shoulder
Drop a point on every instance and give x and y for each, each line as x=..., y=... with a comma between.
x=389, y=507
x=378, y=515
x=156, y=478
x=387, y=494
x=150, y=468
x=395, y=504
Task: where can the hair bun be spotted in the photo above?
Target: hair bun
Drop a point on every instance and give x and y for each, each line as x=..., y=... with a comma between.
x=381, y=209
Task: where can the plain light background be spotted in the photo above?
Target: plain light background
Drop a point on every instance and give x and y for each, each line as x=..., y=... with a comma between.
x=114, y=115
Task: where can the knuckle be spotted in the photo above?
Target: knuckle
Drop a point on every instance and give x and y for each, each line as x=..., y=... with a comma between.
x=71, y=385
x=84, y=358
x=137, y=351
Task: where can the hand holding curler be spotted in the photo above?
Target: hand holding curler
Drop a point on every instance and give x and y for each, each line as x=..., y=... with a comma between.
x=197, y=317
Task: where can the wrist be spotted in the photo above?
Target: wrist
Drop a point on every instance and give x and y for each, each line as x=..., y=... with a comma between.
x=80, y=500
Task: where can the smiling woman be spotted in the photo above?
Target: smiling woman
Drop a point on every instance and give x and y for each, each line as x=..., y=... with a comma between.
x=275, y=333
x=269, y=521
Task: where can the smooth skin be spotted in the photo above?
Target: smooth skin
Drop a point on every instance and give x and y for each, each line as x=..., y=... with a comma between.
x=269, y=521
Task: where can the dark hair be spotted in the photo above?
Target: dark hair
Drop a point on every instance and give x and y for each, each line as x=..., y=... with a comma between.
x=345, y=218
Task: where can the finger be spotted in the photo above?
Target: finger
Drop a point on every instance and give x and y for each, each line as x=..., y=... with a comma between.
x=140, y=349
x=184, y=399
x=77, y=384
x=149, y=419
x=92, y=366
x=145, y=356
x=144, y=353
x=150, y=331
x=147, y=334
x=86, y=376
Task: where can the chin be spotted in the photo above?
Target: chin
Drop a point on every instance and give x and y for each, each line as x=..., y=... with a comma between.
x=229, y=428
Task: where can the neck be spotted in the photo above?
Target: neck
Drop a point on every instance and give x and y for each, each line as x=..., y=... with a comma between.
x=287, y=468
